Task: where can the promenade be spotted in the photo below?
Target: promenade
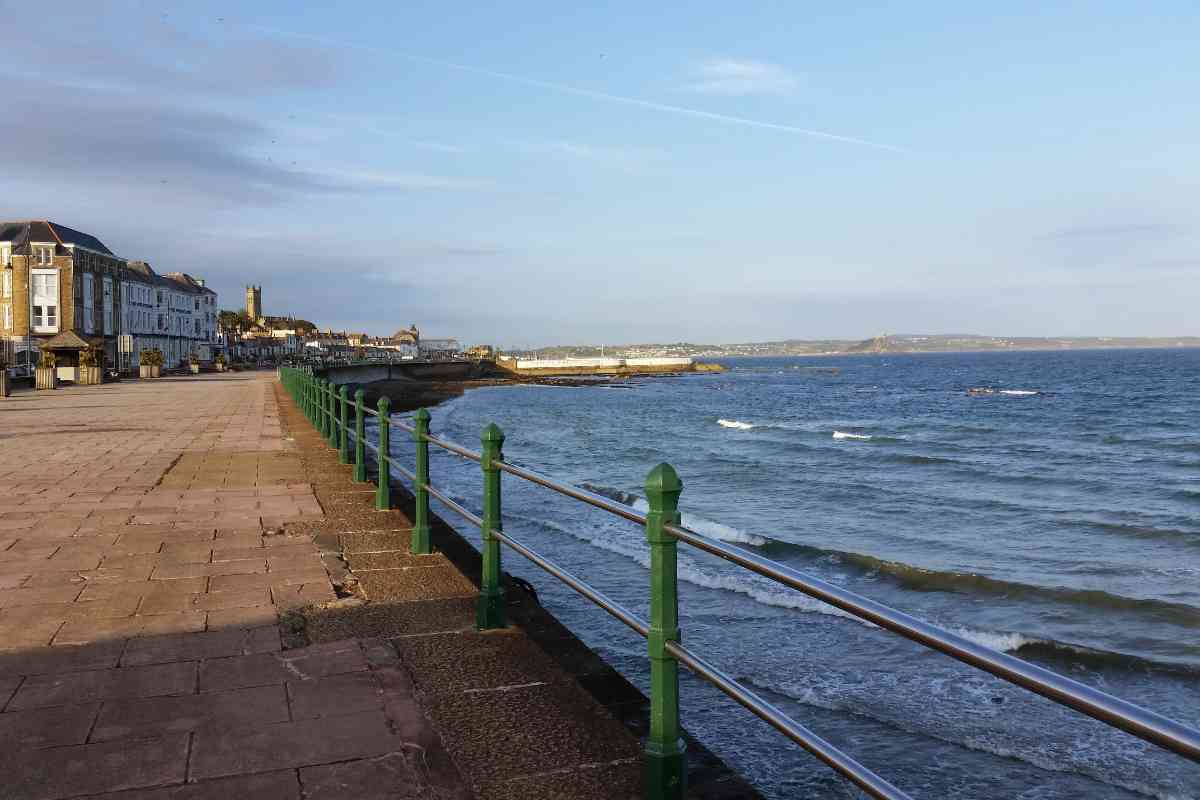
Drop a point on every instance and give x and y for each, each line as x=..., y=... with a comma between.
x=196, y=602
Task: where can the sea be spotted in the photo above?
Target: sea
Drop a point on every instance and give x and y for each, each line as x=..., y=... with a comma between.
x=1055, y=517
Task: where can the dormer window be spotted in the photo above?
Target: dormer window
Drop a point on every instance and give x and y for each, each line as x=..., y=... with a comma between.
x=43, y=255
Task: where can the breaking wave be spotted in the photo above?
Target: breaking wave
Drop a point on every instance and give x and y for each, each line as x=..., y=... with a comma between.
x=928, y=580
x=844, y=435
x=707, y=527
x=733, y=423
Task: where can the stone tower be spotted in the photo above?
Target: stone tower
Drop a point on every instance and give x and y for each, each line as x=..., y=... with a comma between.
x=254, y=302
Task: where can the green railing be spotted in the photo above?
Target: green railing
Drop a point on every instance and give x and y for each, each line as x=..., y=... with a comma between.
x=328, y=408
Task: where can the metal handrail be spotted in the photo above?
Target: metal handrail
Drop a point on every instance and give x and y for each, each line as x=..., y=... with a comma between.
x=862, y=777
x=1148, y=725
x=1141, y=722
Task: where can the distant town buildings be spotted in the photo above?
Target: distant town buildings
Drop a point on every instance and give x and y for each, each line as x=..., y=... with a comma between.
x=63, y=291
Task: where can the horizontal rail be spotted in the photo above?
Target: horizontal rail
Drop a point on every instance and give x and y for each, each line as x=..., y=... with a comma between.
x=458, y=449
x=453, y=506
x=596, y=596
x=392, y=463
x=591, y=498
x=1140, y=722
x=861, y=776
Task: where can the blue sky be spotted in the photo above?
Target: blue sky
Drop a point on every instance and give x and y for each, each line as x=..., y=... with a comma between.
x=534, y=173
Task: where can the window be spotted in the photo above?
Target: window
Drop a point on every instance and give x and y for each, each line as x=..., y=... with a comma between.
x=197, y=303
x=7, y=317
x=7, y=288
x=45, y=301
x=5, y=255
x=89, y=303
x=108, y=307
x=43, y=254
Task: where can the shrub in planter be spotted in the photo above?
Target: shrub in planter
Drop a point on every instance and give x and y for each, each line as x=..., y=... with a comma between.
x=5, y=389
x=219, y=362
x=46, y=375
x=91, y=372
x=150, y=363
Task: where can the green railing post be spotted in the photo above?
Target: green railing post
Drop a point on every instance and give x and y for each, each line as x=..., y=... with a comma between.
x=360, y=448
x=307, y=389
x=344, y=428
x=490, y=612
x=304, y=396
x=383, y=487
x=419, y=544
x=666, y=773
x=323, y=407
x=331, y=410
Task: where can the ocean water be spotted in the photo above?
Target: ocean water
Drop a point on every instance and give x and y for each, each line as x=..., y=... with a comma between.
x=1057, y=518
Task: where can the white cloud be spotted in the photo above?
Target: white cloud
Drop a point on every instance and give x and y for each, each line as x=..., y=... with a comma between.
x=738, y=77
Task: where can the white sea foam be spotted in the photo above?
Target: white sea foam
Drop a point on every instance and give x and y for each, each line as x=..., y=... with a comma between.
x=844, y=435
x=733, y=423
x=1004, y=642
x=713, y=530
x=1019, y=392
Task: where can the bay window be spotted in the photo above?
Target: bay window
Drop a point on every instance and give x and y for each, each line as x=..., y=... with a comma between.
x=45, y=301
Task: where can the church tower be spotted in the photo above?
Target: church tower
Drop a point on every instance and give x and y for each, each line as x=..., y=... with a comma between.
x=254, y=302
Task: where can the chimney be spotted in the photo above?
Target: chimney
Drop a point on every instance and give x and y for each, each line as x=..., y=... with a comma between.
x=200, y=281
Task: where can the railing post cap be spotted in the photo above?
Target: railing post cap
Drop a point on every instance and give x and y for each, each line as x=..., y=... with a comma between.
x=492, y=433
x=422, y=415
x=383, y=404
x=344, y=391
x=359, y=394
x=663, y=479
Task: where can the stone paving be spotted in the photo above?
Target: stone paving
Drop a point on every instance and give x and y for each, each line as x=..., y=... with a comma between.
x=144, y=560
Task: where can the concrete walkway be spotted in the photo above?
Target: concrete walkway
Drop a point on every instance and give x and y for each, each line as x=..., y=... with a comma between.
x=144, y=559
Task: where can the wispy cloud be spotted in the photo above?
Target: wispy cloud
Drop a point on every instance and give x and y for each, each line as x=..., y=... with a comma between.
x=627, y=159
x=354, y=179
x=729, y=76
x=595, y=95
x=1153, y=230
x=442, y=147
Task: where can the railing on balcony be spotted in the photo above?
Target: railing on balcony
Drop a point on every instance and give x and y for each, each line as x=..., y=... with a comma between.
x=329, y=408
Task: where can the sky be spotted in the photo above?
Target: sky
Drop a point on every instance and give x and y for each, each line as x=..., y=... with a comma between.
x=534, y=173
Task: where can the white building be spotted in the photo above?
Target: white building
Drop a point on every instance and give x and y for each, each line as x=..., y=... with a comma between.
x=174, y=313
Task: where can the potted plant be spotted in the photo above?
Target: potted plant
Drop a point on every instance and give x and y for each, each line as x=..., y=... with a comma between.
x=194, y=363
x=150, y=363
x=46, y=375
x=91, y=370
x=5, y=389
x=219, y=362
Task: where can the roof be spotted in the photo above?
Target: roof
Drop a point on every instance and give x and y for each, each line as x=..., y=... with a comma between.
x=70, y=340
x=40, y=230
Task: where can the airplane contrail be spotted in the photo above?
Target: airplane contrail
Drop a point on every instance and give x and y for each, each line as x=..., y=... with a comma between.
x=612, y=98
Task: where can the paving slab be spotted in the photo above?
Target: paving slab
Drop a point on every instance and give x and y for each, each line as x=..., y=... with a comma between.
x=292, y=744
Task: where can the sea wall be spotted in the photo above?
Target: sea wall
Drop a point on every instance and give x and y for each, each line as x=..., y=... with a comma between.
x=597, y=366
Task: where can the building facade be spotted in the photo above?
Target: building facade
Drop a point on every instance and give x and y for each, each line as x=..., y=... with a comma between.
x=57, y=280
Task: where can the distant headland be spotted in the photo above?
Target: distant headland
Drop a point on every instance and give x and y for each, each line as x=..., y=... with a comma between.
x=909, y=343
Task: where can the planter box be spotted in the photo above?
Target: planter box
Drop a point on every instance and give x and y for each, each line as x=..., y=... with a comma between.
x=91, y=376
x=195, y=368
x=148, y=371
x=5, y=383
x=220, y=367
x=46, y=378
